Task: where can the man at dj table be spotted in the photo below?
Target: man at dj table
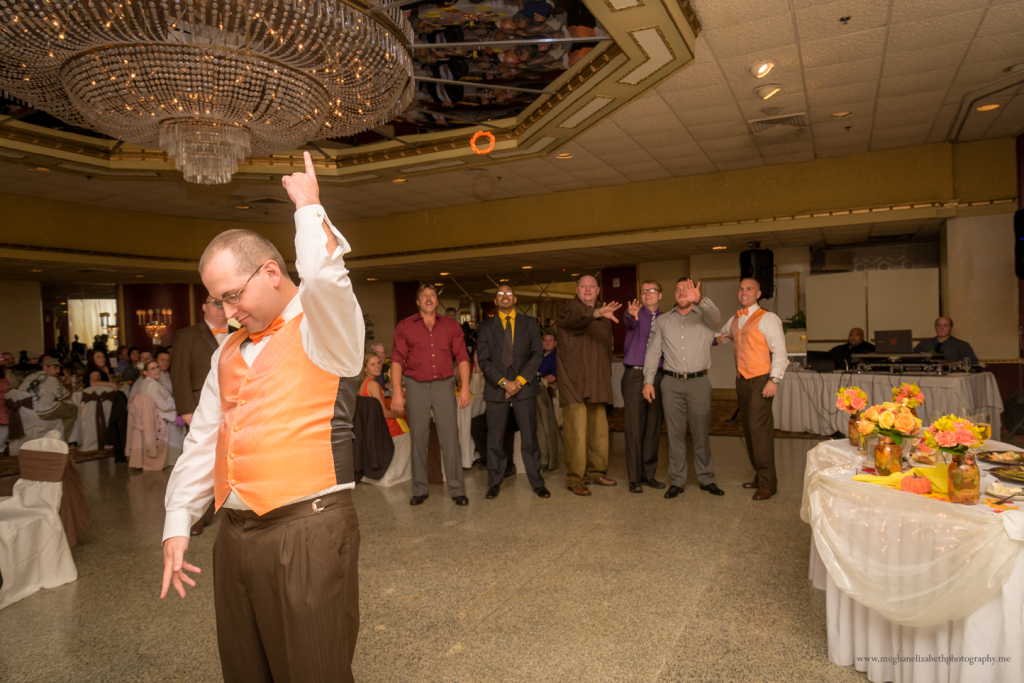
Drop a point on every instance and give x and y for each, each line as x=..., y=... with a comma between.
x=944, y=343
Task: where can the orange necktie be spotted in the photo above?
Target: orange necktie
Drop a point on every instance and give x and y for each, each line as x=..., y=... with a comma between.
x=216, y=331
x=742, y=312
x=257, y=337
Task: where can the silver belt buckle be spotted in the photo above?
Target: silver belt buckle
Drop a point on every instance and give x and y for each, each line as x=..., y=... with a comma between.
x=318, y=506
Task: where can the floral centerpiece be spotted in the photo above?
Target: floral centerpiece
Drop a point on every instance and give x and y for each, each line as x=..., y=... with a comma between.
x=909, y=395
x=955, y=435
x=852, y=400
x=892, y=422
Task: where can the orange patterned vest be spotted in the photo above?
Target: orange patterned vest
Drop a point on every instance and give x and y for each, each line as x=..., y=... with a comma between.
x=753, y=357
x=287, y=428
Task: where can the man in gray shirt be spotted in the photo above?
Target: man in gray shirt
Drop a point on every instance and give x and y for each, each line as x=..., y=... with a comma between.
x=684, y=337
x=944, y=343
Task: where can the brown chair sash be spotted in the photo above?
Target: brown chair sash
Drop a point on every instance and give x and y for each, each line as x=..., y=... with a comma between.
x=100, y=417
x=17, y=429
x=53, y=467
x=42, y=465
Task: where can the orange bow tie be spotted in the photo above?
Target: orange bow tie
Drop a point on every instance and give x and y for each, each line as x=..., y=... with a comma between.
x=742, y=312
x=257, y=337
x=217, y=331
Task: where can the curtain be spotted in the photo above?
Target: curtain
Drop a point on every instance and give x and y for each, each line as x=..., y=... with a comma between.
x=84, y=319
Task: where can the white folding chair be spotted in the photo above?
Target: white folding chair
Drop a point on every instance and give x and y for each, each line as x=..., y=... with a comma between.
x=33, y=425
x=34, y=550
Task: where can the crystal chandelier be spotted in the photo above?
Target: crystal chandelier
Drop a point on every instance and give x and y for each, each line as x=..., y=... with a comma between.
x=209, y=81
x=156, y=322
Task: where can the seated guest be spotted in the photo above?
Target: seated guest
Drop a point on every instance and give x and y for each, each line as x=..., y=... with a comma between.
x=368, y=386
x=163, y=359
x=131, y=373
x=143, y=357
x=385, y=366
x=946, y=344
x=50, y=398
x=842, y=354
x=10, y=370
x=5, y=386
x=97, y=374
x=149, y=384
x=123, y=363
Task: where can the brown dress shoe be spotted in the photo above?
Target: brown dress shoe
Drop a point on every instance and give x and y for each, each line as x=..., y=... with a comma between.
x=603, y=481
x=763, y=494
x=580, y=490
x=750, y=485
x=197, y=528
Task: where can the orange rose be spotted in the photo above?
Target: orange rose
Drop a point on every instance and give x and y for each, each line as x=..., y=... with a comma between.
x=865, y=427
x=906, y=423
x=871, y=413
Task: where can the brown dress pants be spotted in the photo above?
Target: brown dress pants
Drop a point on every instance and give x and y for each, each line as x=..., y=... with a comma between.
x=758, y=429
x=286, y=590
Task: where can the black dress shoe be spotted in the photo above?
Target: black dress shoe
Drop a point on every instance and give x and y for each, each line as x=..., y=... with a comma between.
x=635, y=488
x=542, y=491
x=712, y=489
x=655, y=484
x=510, y=469
x=643, y=481
x=417, y=500
x=673, y=491
x=493, y=492
x=460, y=500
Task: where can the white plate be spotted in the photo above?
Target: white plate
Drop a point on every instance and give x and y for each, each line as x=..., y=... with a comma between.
x=1019, y=496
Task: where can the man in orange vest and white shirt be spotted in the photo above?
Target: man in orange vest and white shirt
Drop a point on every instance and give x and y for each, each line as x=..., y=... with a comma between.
x=761, y=360
x=271, y=442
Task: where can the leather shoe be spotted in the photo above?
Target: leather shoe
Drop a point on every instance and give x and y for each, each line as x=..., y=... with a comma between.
x=417, y=500
x=655, y=484
x=635, y=488
x=542, y=491
x=712, y=489
x=579, y=490
x=493, y=492
x=763, y=494
x=460, y=500
x=673, y=491
x=750, y=485
x=602, y=481
x=197, y=528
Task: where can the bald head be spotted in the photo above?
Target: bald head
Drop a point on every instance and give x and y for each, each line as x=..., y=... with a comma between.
x=587, y=289
x=248, y=251
x=943, y=328
x=856, y=337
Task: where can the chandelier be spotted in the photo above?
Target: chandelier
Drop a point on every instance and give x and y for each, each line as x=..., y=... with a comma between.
x=155, y=323
x=209, y=81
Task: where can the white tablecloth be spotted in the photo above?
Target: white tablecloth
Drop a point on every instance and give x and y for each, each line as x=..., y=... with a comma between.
x=905, y=556
x=806, y=401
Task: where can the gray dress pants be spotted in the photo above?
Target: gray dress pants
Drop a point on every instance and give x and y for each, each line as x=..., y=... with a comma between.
x=420, y=398
x=688, y=400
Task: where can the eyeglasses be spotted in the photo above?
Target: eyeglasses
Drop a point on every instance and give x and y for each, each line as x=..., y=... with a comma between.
x=237, y=296
x=649, y=291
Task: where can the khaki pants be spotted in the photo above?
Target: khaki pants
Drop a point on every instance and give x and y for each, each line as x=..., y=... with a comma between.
x=66, y=412
x=585, y=430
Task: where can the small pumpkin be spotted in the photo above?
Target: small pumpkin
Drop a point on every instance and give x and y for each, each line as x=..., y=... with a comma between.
x=917, y=484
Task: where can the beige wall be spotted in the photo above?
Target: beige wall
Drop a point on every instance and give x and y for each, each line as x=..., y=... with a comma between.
x=21, y=313
x=980, y=293
x=665, y=273
x=377, y=299
x=726, y=264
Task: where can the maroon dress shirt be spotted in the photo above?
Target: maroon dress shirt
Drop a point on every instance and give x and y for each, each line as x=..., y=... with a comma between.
x=426, y=355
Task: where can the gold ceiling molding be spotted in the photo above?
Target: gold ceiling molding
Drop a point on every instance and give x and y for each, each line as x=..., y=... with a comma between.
x=604, y=73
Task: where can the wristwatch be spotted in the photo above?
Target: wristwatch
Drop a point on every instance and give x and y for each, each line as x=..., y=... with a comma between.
x=501, y=382
x=775, y=380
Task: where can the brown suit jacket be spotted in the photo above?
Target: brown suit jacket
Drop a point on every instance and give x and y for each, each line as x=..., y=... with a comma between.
x=193, y=351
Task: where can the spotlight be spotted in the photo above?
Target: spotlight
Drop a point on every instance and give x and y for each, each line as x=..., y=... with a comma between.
x=841, y=114
x=988, y=107
x=760, y=69
x=766, y=91
x=564, y=155
x=399, y=180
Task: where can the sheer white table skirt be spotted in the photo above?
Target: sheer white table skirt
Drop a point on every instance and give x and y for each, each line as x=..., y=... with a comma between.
x=401, y=464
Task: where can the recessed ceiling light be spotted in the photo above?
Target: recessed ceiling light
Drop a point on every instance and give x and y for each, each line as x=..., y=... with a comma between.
x=718, y=248
x=841, y=114
x=504, y=279
x=760, y=69
x=241, y=207
x=988, y=107
x=371, y=279
x=575, y=275
x=35, y=270
x=438, y=284
x=564, y=155
x=140, y=276
x=39, y=169
x=399, y=180
x=766, y=91
x=442, y=274
x=527, y=267
x=63, y=303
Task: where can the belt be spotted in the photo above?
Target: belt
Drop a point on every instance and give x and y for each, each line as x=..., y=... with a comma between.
x=301, y=508
x=636, y=367
x=686, y=375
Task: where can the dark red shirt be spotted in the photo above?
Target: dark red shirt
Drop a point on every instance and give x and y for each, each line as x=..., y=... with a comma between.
x=426, y=355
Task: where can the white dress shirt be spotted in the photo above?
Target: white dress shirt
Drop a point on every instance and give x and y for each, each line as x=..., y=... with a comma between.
x=770, y=325
x=333, y=334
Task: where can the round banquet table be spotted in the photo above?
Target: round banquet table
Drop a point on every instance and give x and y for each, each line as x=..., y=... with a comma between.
x=918, y=590
x=806, y=401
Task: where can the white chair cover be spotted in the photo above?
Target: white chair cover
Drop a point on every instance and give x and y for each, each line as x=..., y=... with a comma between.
x=401, y=464
x=35, y=427
x=88, y=440
x=34, y=551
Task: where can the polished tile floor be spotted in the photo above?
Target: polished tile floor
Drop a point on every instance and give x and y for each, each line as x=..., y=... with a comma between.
x=615, y=587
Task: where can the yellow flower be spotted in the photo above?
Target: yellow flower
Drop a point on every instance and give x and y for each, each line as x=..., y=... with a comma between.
x=886, y=420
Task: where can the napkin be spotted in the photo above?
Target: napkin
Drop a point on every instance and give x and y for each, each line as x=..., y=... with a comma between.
x=937, y=476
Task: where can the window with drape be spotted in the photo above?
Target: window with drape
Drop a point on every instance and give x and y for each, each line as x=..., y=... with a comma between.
x=84, y=318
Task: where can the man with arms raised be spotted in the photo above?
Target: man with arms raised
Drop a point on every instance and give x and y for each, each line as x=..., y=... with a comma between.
x=642, y=415
x=585, y=385
x=271, y=441
x=760, y=348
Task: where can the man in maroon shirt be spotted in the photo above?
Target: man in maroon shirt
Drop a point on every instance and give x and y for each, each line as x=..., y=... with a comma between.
x=426, y=347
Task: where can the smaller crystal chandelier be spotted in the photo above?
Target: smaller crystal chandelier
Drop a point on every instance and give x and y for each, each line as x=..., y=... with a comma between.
x=155, y=322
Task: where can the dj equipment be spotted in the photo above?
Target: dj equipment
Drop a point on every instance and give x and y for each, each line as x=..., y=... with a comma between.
x=915, y=363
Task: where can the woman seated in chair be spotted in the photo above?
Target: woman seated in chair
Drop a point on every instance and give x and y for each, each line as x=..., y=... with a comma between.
x=149, y=384
x=370, y=387
x=97, y=373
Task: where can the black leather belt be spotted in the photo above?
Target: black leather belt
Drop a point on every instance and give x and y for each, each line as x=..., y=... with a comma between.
x=686, y=375
x=636, y=367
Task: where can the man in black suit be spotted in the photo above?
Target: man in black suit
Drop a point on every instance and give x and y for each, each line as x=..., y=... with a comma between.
x=510, y=350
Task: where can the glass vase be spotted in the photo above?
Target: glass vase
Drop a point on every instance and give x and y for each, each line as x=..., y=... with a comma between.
x=854, y=431
x=964, y=479
x=888, y=457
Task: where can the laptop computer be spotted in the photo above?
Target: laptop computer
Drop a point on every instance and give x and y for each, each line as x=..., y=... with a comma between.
x=894, y=341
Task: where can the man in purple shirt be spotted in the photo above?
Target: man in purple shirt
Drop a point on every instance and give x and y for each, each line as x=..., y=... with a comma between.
x=643, y=419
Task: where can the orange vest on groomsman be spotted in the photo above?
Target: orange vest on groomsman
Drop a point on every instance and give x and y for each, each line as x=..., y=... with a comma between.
x=287, y=429
x=753, y=357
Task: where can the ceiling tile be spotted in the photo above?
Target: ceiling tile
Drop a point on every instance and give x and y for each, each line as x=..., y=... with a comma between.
x=850, y=47
x=1005, y=18
x=823, y=20
x=940, y=30
x=925, y=59
x=916, y=83
x=764, y=34
x=917, y=10
x=843, y=75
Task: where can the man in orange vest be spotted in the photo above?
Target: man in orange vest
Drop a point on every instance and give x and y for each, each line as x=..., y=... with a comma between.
x=271, y=442
x=760, y=347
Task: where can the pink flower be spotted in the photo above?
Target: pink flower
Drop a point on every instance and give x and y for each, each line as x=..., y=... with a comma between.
x=946, y=439
x=964, y=437
x=858, y=404
x=841, y=404
x=920, y=397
